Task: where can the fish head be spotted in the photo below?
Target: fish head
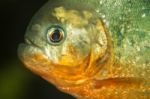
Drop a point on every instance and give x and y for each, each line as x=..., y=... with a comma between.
x=91, y=50
x=65, y=43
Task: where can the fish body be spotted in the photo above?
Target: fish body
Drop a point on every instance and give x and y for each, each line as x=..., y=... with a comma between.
x=94, y=49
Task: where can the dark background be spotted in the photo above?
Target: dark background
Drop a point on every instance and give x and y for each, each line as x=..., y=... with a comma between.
x=17, y=82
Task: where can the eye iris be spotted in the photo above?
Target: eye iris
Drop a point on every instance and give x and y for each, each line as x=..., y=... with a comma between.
x=56, y=36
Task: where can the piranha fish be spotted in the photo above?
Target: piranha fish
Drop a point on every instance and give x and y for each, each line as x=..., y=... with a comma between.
x=91, y=49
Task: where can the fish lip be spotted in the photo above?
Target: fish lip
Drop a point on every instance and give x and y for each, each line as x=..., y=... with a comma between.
x=26, y=46
x=29, y=42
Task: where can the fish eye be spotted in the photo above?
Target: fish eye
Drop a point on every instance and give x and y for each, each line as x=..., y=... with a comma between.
x=56, y=35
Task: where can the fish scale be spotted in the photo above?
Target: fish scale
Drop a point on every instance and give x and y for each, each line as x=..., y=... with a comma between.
x=103, y=52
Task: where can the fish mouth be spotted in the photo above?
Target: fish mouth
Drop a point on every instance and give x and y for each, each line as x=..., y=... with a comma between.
x=29, y=42
x=27, y=48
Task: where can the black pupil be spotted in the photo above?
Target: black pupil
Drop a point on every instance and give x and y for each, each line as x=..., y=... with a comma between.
x=56, y=36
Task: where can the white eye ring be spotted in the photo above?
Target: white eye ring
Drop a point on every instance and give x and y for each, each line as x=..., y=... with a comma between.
x=56, y=35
